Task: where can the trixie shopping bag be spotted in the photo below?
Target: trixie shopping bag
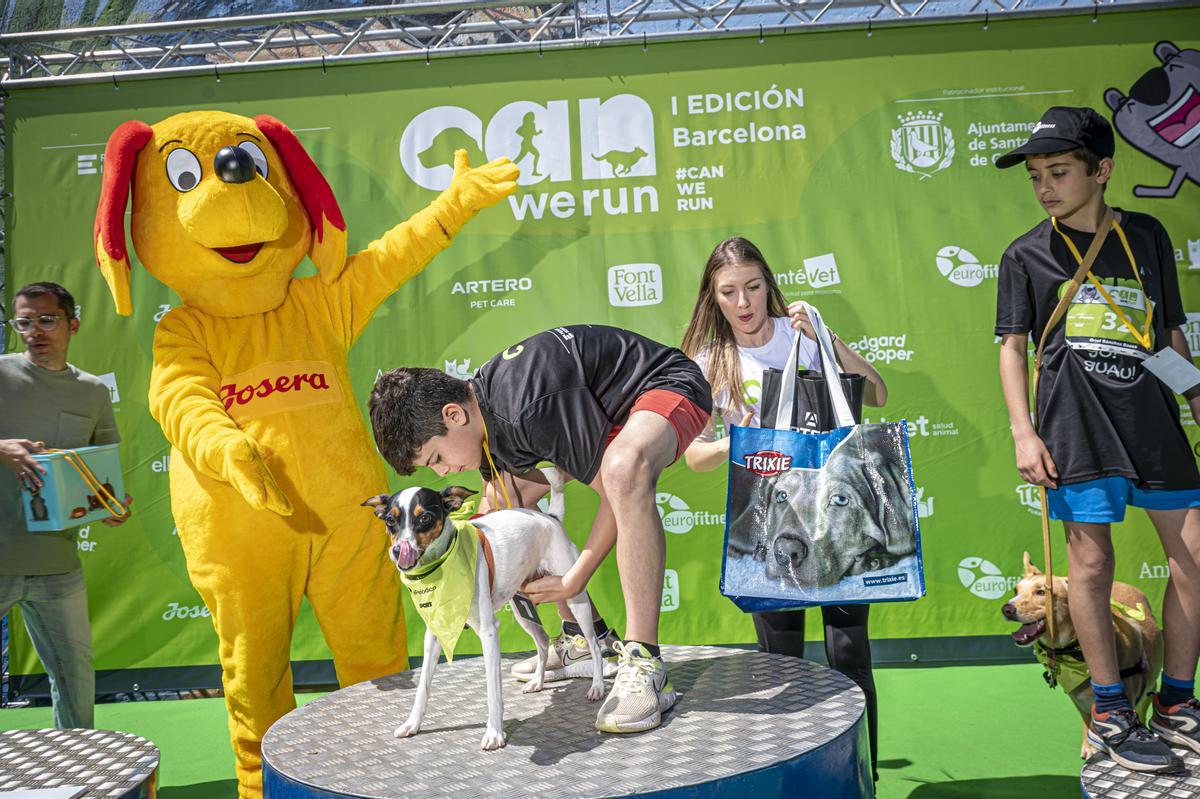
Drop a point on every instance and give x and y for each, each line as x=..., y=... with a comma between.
x=820, y=518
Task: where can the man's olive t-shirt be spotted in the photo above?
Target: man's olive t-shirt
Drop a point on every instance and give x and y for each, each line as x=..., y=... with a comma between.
x=63, y=410
x=1101, y=413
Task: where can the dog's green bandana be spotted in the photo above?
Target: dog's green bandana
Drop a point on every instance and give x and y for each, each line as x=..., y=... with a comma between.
x=1070, y=670
x=443, y=589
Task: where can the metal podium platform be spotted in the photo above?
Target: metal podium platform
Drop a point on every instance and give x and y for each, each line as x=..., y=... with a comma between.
x=109, y=764
x=745, y=724
x=1101, y=778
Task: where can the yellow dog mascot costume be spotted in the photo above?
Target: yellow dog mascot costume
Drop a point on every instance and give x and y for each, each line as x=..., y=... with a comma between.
x=270, y=458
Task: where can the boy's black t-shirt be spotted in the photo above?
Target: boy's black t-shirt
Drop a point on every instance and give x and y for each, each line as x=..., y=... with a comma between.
x=1101, y=413
x=556, y=395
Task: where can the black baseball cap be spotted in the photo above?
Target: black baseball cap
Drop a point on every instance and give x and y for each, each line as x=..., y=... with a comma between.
x=1063, y=128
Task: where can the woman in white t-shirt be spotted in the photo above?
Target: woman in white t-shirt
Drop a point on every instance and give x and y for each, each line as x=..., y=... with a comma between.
x=740, y=326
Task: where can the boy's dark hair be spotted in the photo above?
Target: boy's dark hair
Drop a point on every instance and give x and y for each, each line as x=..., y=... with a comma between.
x=406, y=411
x=1089, y=158
x=35, y=290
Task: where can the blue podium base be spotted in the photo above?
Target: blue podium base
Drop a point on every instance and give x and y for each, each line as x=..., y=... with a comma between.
x=746, y=724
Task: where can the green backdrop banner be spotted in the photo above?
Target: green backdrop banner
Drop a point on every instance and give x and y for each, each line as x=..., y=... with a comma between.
x=861, y=165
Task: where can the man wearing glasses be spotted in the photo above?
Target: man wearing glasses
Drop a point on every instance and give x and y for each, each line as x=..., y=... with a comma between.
x=47, y=402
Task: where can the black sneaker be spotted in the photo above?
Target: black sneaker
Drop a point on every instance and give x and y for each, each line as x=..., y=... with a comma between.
x=1122, y=735
x=1178, y=724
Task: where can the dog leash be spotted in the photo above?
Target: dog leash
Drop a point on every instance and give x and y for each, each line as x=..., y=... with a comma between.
x=110, y=503
x=1072, y=288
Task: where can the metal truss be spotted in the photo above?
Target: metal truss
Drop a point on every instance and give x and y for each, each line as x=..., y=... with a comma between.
x=437, y=29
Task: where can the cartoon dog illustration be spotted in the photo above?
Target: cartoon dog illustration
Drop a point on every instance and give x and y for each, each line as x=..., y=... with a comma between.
x=252, y=388
x=1161, y=116
x=813, y=527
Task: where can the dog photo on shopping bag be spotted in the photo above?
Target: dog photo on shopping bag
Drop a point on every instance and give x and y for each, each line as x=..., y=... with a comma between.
x=822, y=517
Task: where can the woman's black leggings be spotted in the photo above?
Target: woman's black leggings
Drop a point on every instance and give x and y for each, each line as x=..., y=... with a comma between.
x=846, y=646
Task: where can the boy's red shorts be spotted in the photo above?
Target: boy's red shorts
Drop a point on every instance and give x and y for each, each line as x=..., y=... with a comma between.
x=685, y=416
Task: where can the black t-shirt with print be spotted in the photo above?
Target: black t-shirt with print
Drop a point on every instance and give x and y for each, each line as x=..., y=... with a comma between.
x=556, y=395
x=1101, y=413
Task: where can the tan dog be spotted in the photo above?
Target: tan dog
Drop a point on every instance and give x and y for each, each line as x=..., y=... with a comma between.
x=1139, y=641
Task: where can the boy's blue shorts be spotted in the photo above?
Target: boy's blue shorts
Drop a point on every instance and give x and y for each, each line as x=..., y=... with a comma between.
x=1103, y=501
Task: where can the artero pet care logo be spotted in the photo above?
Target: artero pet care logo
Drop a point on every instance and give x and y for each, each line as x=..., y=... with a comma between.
x=614, y=140
x=984, y=578
x=960, y=266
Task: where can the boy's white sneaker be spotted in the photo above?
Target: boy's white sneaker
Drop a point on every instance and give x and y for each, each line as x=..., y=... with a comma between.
x=641, y=693
x=569, y=658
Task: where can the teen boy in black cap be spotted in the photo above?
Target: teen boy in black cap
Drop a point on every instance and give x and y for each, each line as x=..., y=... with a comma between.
x=1109, y=433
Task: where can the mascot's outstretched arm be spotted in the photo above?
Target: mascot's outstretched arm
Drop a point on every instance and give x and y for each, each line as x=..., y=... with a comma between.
x=386, y=264
x=184, y=400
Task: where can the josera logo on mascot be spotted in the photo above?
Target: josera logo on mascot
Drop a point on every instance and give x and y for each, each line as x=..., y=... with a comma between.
x=224, y=209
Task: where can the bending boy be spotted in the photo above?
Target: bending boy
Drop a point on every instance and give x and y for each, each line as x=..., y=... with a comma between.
x=1109, y=433
x=607, y=406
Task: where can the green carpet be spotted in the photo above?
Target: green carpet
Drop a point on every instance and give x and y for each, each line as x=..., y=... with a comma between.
x=984, y=732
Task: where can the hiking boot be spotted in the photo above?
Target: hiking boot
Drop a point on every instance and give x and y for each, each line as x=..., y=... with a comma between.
x=1177, y=724
x=1122, y=735
x=569, y=657
x=641, y=693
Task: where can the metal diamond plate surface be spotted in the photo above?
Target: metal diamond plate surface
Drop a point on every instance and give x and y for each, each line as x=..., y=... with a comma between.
x=737, y=711
x=1104, y=779
x=113, y=765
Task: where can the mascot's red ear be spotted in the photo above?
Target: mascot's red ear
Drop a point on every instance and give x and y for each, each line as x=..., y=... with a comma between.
x=112, y=256
x=328, y=250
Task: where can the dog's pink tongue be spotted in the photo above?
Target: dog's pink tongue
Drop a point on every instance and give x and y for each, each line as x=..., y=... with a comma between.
x=406, y=556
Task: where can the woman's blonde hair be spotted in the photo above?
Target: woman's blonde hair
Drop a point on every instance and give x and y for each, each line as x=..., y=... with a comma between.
x=709, y=326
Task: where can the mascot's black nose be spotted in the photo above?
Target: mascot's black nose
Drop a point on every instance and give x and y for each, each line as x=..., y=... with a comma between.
x=234, y=165
x=1153, y=88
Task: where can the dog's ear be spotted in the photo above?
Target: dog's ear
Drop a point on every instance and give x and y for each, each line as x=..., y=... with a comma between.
x=328, y=249
x=1030, y=569
x=378, y=503
x=112, y=254
x=454, y=496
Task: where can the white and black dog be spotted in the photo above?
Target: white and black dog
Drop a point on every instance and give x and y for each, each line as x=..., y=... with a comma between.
x=526, y=544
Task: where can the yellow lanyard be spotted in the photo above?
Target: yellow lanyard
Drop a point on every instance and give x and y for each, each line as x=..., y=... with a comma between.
x=487, y=451
x=1142, y=336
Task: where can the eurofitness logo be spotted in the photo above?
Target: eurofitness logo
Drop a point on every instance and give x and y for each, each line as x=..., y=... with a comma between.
x=615, y=142
x=1028, y=494
x=922, y=144
x=460, y=369
x=670, y=594
x=631, y=285
x=960, y=266
x=110, y=380
x=882, y=349
x=818, y=274
x=491, y=293
x=678, y=518
x=984, y=579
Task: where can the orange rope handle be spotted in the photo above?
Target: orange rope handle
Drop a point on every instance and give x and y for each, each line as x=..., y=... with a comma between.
x=110, y=503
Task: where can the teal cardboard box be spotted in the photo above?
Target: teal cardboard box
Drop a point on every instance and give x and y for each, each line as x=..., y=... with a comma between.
x=65, y=500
